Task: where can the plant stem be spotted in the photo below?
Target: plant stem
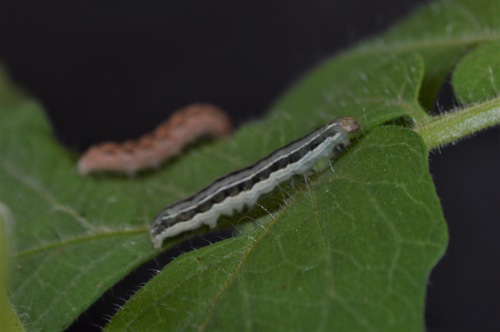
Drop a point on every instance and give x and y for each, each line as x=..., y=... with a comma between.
x=452, y=126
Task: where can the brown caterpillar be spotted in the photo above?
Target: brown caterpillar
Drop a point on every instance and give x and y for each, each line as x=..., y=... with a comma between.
x=166, y=141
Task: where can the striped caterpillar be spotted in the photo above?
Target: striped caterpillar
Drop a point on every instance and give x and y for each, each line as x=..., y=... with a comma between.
x=166, y=141
x=243, y=187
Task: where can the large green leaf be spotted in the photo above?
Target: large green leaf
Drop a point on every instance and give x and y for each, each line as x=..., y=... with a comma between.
x=345, y=254
x=81, y=235
x=350, y=249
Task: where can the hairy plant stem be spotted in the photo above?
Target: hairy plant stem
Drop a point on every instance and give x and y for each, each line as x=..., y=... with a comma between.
x=455, y=125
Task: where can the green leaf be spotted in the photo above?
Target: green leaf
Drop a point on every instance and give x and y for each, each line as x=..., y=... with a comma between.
x=477, y=76
x=345, y=255
x=350, y=250
x=372, y=90
x=74, y=237
x=441, y=33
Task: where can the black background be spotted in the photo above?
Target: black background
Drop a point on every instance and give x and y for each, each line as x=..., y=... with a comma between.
x=110, y=70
